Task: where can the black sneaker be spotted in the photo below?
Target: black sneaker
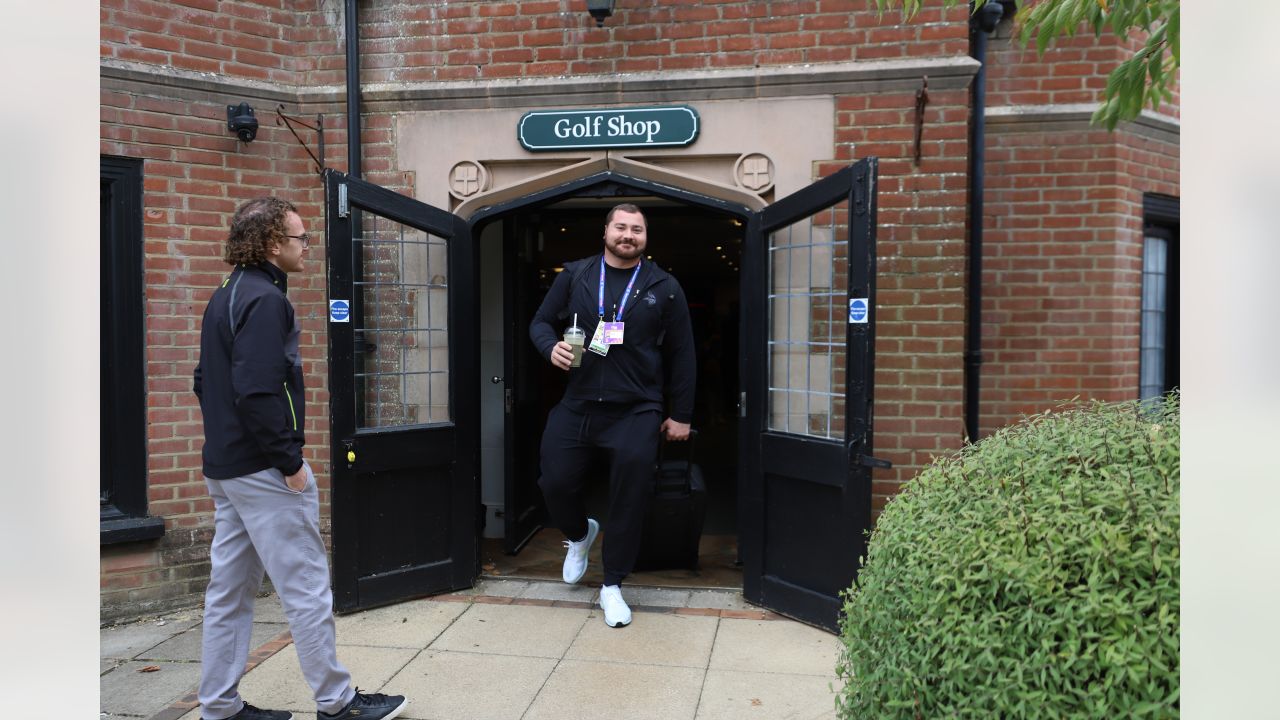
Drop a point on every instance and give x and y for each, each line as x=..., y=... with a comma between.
x=368, y=706
x=249, y=712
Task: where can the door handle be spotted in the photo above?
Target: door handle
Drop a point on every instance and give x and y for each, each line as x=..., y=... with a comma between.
x=873, y=462
x=496, y=380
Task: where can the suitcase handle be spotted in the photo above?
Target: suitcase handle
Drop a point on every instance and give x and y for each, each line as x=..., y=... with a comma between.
x=688, y=467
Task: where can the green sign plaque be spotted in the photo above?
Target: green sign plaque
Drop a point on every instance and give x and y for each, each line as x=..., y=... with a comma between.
x=671, y=126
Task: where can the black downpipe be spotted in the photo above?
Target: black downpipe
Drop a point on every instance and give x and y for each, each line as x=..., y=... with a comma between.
x=353, y=89
x=352, y=22
x=981, y=24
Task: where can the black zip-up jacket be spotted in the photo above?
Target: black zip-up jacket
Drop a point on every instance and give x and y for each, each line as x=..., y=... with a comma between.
x=657, y=343
x=249, y=376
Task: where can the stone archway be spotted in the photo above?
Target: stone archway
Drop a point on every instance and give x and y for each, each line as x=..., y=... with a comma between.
x=465, y=160
x=607, y=165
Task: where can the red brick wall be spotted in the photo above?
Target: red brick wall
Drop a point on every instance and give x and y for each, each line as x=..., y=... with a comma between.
x=1062, y=233
x=920, y=282
x=541, y=38
x=1072, y=70
x=288, y=43
x=195, y=174
x=1059, y=305
x=1062, y=268
x=261, y=40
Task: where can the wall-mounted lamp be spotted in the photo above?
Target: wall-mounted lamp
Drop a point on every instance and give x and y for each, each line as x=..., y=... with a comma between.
x=600, y=9
x=240, y=120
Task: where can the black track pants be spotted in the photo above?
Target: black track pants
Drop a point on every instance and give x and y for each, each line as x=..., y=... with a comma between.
x=568, y=445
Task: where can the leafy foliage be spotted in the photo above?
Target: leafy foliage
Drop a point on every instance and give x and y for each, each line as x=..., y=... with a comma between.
x=1143, y=79
x=1032, y=575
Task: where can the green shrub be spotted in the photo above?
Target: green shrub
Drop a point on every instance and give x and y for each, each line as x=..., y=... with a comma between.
x=1032, y=575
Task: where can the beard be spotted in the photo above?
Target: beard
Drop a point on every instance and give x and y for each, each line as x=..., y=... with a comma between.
x=626, y=252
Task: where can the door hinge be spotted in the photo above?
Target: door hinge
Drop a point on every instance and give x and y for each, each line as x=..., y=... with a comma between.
x=742, y=404
x=344, y=207
x=860, y=192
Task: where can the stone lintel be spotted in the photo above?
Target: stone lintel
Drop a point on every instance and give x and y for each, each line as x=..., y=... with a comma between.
x=1075, y=117
x=862, y=77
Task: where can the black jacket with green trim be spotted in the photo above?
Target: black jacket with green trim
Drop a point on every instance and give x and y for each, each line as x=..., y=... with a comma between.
x=249, y=376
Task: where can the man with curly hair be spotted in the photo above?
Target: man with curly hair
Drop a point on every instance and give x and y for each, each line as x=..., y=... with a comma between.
x=266, y=507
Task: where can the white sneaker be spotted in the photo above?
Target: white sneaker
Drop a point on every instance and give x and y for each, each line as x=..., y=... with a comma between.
x=616, y=612
x=575, y=559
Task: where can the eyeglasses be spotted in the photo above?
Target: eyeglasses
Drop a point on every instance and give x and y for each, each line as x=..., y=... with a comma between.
x=304, y=238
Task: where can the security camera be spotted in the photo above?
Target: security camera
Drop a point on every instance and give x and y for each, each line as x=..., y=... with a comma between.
x=241, y=121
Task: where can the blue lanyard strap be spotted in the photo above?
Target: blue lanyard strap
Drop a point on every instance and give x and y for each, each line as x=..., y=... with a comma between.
x=625, y=293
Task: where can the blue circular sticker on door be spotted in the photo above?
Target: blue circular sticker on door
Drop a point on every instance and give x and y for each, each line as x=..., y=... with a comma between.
x=857, y=310
x=339, y=311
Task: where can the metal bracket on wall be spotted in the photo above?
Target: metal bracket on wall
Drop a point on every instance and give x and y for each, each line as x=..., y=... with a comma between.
x=922, y=99
x=318, y=128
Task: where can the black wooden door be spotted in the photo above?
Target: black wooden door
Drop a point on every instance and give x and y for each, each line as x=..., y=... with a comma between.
x=809, y=325
x=523, y=505
x=404, y=395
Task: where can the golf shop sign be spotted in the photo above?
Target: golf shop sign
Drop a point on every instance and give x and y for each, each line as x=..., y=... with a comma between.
x=670, y=126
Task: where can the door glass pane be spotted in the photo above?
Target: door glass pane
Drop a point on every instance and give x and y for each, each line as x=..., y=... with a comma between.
x=1155, y=270
x=808, y=296
x=402, y=348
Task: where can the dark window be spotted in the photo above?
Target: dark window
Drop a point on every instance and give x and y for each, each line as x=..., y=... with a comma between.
x=123, y=468
x=1158, y=362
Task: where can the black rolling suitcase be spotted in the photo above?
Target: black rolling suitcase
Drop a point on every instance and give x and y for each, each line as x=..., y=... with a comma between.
x=677, y=509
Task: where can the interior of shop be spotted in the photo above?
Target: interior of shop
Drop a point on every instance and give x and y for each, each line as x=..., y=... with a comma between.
x=702, y=248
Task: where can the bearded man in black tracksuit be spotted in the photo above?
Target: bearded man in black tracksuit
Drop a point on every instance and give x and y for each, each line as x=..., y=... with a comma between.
x=640, y=340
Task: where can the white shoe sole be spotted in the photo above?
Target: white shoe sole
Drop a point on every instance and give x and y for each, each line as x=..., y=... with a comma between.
x=397, y=711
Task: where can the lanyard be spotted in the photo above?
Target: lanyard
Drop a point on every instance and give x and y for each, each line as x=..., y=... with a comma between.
x=625, y=293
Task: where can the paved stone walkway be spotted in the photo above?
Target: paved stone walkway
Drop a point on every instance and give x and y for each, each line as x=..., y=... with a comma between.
x=523, y=650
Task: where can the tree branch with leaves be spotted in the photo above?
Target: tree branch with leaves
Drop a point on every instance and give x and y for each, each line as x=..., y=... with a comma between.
x=1145, y=78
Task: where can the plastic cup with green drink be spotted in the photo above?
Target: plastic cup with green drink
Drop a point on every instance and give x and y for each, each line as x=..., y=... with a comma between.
x=576, y=337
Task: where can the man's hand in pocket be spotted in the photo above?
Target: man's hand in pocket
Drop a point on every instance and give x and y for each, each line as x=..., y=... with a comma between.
x=297, y=482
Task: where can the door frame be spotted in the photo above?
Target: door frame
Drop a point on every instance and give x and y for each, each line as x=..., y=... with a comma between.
x=606, y=181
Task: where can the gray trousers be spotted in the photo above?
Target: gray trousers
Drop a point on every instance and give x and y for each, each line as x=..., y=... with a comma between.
x=260, y=524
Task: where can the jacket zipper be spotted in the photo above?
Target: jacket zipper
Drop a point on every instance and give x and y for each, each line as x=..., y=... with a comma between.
x=652, y=281
x=292, y=412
